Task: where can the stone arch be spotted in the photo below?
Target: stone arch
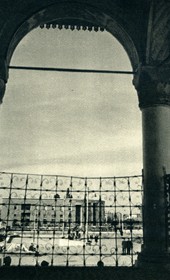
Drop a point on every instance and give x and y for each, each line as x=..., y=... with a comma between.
x=77, y=12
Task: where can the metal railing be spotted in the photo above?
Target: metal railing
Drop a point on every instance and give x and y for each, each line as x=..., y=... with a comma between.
x=70, y=221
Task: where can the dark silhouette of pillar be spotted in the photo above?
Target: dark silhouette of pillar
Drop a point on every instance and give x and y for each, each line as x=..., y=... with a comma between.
x=3, y=77
x=153, y=87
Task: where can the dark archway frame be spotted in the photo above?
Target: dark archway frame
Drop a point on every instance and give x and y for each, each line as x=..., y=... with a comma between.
x=76, y=12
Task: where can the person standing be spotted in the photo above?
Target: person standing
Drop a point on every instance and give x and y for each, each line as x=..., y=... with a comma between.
x=123, y=246
x=129, y=246
x=96, y=238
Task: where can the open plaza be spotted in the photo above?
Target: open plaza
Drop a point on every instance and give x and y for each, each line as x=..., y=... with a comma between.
x=32, y=249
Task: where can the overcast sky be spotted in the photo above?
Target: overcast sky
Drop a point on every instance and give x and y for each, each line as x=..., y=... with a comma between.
x=70, y=123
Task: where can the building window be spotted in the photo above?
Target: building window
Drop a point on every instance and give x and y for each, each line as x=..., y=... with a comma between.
x=44, y=221
x=94, y=214
x=25, y=206
x=78, y=214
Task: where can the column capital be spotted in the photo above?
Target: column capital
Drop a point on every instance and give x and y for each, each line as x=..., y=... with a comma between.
x=153, y=85
x=3, y=77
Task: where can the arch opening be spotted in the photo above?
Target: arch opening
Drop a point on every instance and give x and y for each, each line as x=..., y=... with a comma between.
x=87, y=107
x=91, y=102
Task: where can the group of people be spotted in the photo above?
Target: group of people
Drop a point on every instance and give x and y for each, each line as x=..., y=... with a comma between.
x=74, y=234
x=7, y=262
x=77, y=235
x=93, y=237
x=127, y=246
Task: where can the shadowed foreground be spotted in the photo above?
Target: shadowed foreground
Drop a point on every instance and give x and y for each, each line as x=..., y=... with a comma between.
x=82, y=273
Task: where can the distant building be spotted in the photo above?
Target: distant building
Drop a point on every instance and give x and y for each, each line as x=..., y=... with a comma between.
x=120, y=220
x=33, y=213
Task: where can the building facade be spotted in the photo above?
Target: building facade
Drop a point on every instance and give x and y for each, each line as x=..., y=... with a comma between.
x=45, y=213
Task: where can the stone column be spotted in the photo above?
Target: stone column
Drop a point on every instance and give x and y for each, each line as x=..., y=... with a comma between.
x=153, y=87
x=3, y=77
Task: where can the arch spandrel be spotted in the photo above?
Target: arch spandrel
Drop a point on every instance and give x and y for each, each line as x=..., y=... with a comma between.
x=77, y=12
x=152, y=79
x=124, y=14
x=159, y=34
x=23, y=16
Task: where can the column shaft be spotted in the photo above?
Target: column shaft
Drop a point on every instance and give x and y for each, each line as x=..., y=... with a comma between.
x=153, y=87
x=156, y=155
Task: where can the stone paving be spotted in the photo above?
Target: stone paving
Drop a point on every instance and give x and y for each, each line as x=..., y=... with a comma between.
x=72, y=252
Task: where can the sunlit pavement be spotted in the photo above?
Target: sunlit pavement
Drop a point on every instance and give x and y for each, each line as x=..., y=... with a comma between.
x=72, y=252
